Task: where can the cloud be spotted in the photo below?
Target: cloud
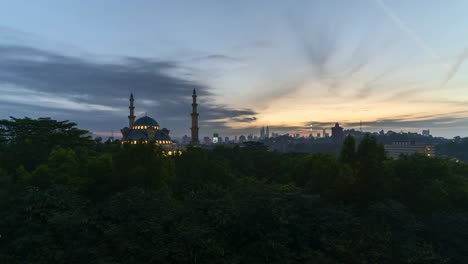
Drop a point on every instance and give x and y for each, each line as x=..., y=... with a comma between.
x=41, y=99
x=452, y=71
x=410, y=121
x=245, y=119
x=40, y=79
x=406, y=29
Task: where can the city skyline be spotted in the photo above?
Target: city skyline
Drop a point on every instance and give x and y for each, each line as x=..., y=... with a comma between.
x=392, y=65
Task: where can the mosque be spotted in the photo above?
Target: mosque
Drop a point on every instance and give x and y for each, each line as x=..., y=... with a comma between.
x=144, y=129
x=147, y=130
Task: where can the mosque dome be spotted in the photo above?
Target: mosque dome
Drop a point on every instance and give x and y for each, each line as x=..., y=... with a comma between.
x=146, y=121
x=136, y=135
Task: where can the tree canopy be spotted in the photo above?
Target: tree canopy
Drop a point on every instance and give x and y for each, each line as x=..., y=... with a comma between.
x=65, y=198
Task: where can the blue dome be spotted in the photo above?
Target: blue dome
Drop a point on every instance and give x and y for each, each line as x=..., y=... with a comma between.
x=162, y=135
x=136, y=135
x=145, y=121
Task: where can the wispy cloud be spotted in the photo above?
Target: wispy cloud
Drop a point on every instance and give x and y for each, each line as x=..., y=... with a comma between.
x=48, y=100
x=453, y=70
x=418, y=40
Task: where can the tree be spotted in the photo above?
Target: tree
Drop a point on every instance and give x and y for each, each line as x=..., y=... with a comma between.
x=371, y=182
x=28, y=142
x=348, y=151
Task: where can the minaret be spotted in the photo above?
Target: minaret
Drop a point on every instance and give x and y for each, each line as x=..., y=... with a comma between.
x=194, y=114
x=131, y=117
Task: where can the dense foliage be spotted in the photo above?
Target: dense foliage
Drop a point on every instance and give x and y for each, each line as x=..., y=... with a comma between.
x=67, y=199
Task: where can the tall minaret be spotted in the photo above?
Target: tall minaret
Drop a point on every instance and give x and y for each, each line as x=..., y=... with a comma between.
x=194, y=114
x=131, y=117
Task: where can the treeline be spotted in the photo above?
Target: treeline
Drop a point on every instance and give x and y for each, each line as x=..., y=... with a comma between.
x=65, y=198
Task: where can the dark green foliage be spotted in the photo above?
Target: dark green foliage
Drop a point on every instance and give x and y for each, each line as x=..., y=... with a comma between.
x=371, y=183
x=348, y=151
x=28, y=142
x=66, y=199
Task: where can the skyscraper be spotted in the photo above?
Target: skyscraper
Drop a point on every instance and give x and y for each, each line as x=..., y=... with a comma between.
x=337, y=134
x=267, y=134
x=262, y=132
x=194, y=114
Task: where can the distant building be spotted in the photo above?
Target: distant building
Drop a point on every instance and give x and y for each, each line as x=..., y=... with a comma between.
x=337, y=134
x=186, y=140
x=242, y=139
x=267, y=133
x=226, y=139
x=215, y=138
x=262, y=132
x=426, y=133
x=408, y=148
x=206, y=141
x=235, y=139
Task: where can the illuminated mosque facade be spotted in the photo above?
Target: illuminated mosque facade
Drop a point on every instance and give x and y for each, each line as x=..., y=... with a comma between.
x=144, y=130
x=147, y=130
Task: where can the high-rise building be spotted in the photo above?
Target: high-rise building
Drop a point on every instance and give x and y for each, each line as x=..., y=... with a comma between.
x=215, y=138
x=226, y=139
x=242, y=139
x=206, y=141
x=337, y=134
x=267, y=134
x=426, y=133
x=262, y=132
x=194, y=115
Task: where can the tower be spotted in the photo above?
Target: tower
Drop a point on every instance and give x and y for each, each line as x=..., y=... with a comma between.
x=337, y=134
x=267, y=134
x=131, y=117
x=194, y=115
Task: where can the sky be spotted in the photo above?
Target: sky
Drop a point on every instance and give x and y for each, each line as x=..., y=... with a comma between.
x=292, y=65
